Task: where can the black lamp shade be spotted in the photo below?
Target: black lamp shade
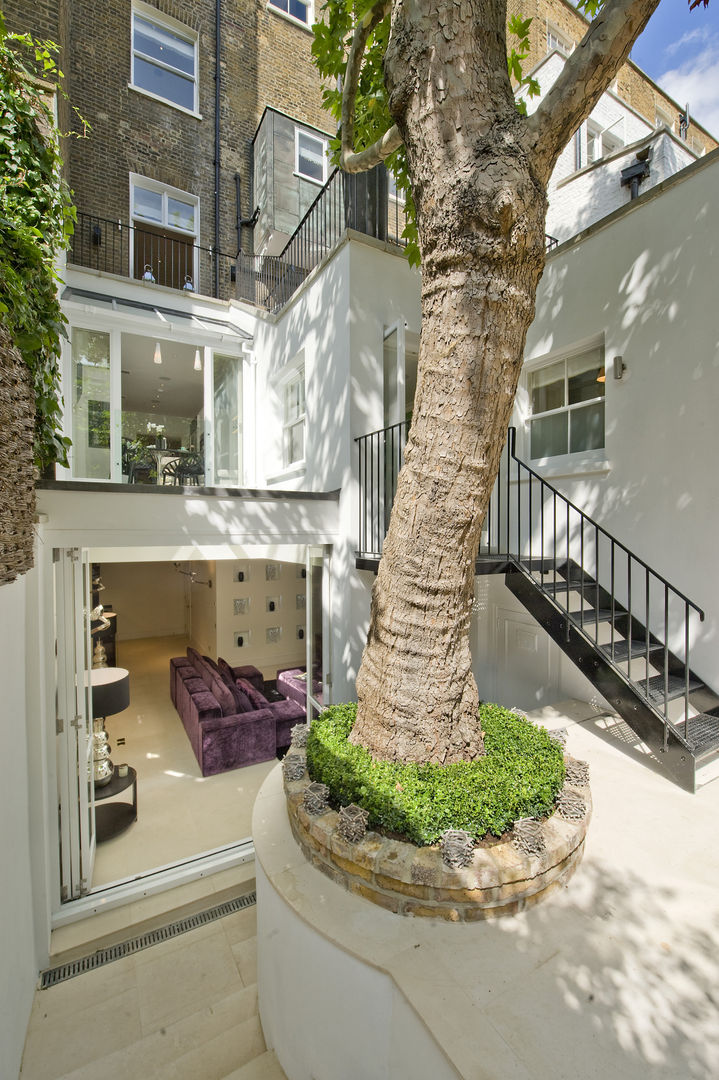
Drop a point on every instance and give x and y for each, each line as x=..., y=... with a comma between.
x=110, y=690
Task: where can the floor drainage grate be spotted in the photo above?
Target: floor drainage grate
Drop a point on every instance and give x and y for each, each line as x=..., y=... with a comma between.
x=56, y=975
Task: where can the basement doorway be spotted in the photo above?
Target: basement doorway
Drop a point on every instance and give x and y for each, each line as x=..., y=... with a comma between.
x=264, y=610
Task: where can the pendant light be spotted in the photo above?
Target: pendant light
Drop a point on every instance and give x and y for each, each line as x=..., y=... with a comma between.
x=158, y=353
x=198, y=363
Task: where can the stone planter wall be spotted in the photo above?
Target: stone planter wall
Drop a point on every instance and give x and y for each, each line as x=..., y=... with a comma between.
x=409, y=880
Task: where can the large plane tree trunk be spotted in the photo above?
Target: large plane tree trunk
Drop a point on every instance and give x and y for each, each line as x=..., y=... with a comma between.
x=481, y=211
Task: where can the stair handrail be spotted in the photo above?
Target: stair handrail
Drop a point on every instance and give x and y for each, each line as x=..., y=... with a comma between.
x=595, y=524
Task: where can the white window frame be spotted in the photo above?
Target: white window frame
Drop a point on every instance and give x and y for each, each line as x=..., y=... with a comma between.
x=165, y=22
x=167, y=191
x=293, y=377
x=309, y=8
x=138, y=181
x=549, y=361
x=300, y=131
x=560, y=41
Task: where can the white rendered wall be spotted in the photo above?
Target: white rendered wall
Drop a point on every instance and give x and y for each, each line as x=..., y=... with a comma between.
x=584, y=197
x=203, y=610
x=149, y=598
x=646, y=284
x=17, y=934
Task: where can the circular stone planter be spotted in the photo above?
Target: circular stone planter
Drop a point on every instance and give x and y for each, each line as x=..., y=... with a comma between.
x=501, y=879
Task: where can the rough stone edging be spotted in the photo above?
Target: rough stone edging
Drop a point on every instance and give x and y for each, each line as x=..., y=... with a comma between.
x=410, y=880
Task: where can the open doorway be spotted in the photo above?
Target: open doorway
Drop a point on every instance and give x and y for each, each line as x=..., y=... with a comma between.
x=255, y=613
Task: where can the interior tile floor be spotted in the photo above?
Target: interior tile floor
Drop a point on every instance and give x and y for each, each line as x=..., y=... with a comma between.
x=185, y=1009
x=180, y=812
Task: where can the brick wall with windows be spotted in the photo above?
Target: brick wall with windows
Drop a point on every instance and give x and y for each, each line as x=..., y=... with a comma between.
x=265, y=60
x=631, y=84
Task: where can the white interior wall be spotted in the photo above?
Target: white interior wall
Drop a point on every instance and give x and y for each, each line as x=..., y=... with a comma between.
x=257, y=590
x=17, y=932
x=149, y=598
x=203, y=609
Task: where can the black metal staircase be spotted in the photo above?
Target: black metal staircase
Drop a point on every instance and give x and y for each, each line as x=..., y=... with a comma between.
x=624, y=625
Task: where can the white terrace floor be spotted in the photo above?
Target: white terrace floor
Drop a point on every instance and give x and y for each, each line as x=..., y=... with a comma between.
x=616, y=976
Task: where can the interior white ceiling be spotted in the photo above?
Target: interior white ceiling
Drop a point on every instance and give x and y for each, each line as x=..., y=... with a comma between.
x=172, y=388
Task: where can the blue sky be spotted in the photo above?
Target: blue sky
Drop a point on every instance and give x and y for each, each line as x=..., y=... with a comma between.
x=680, y=50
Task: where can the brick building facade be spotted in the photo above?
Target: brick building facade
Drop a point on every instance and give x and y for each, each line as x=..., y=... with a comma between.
x=264, y=59
x=557, y=23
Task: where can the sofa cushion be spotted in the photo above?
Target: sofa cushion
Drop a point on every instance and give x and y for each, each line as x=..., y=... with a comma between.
x=213, y=682
x=258, y=700
x=242, y=702
x=252, y=674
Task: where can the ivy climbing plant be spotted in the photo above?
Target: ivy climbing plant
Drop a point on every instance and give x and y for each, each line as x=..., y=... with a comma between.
x=36, y=223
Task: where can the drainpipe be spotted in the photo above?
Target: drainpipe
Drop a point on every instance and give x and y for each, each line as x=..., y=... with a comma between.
x=249, y=222
x=218, y=86
x=633, y=175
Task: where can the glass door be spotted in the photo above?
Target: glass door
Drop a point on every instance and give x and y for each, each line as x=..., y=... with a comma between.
x=319, y=684
x=92, y=396
x=74, y=722
x=226, y=440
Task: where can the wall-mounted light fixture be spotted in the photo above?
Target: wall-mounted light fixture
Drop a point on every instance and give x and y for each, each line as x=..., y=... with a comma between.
x=618, y=367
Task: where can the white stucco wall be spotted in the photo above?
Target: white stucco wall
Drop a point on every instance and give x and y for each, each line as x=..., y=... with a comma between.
x=645, y=283
x=586, y=196
x=17, y=934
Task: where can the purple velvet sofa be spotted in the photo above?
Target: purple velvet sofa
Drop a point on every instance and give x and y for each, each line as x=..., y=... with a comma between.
x=228, y=720
x=292, y=683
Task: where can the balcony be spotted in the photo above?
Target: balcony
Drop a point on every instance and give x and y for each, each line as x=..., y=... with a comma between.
x=365, y=202
x=152, y=256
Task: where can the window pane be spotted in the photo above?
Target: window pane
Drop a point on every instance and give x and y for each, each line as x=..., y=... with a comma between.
x=228, y=419
x=582, y=374
x=147, y=204
x=546, y=388
x=166, y=84
x=310, y=156
x=295, y=399
x=549, y=436
x=295, y=443
x=283, y=5
x=299, y=10
x=180, y=215
x=587, y=428
x=90, y=405
x=162, y=44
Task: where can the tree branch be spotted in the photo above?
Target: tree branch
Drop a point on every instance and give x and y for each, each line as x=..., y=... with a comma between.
x=351, y=161
x=585, y=76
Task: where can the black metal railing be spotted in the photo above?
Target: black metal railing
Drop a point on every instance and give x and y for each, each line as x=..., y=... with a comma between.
x=158, y=257
x=361, y=202
x=611, y=596
x=381, y=454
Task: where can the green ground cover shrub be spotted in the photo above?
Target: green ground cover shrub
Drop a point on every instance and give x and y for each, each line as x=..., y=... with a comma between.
x=520, y=776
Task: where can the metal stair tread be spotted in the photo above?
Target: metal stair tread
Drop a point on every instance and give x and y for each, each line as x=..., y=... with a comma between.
x=676, y=687
x=702, y=734
x=571, y=586
x=594, y=615
x=621, y=649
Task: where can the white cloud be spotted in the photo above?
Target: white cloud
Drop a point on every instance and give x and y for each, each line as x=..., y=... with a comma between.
x=697, y=81
x=701, y=34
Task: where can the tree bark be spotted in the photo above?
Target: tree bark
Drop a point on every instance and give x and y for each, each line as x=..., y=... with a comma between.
x=479, y=173
x=481, y=212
